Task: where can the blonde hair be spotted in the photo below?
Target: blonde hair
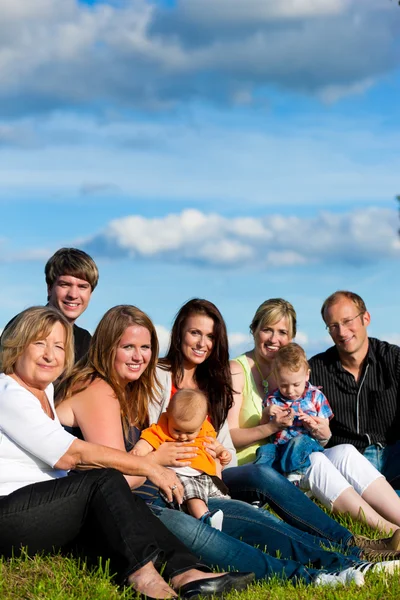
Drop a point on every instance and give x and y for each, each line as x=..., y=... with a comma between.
x=73, y=262
x=187, y=404
x=292, y=357
x=99, y=363
x=29, y=326
x=270, y=312
x=336, y=296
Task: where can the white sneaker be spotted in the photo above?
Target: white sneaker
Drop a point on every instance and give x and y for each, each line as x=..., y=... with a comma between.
x=294, y=477
x=214, y=518
x=387, y=566
x=345, y=577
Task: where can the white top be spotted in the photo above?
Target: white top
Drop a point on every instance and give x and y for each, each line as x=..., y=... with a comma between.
x=155, y=410
x=30, y=442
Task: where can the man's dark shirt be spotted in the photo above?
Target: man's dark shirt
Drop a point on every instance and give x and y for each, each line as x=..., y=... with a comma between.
x=367, y=412
x=82, y=341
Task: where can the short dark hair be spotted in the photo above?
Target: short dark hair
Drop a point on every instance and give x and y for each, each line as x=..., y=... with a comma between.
x=74, y=262
x=336, y=296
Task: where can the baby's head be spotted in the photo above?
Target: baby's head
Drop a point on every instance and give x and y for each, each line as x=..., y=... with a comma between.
x=186, y=413
x=291, y=371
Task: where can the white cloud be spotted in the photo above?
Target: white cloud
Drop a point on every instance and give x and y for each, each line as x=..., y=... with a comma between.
x=237, y=339
x=163, y=335
x=358, y=237
x=62, y=53
x=302, y=338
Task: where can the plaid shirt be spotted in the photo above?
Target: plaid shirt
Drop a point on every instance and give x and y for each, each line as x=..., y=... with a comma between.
x=312, y=402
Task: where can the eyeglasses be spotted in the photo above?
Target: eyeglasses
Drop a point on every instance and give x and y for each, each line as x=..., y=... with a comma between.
x=344, y=323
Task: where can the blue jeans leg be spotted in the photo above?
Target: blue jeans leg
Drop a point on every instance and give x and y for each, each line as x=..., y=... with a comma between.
x=387, y=461
x=258, y=482
x=217, y=549
x=258, y=528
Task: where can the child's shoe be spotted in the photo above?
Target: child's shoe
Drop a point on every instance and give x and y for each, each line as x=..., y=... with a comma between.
x=214, y=518
x=294, y=477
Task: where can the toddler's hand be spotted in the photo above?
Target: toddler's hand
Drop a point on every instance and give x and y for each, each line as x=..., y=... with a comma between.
x=225, y=457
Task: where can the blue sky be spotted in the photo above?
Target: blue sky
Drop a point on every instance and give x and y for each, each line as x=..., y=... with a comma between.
x=229, y=149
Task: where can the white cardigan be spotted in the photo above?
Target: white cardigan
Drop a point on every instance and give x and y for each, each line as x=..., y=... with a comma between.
x=155, y=410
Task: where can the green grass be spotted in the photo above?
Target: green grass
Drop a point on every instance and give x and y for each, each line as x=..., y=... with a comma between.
x=58, y=578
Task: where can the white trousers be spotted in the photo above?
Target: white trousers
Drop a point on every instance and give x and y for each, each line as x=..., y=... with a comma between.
x=336, y=469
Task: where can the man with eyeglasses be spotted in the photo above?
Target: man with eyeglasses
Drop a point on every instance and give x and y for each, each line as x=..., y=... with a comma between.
x=360, y=377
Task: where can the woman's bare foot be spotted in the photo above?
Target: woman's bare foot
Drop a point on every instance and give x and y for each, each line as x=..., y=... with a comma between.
x=148, y=581
x=192, y=575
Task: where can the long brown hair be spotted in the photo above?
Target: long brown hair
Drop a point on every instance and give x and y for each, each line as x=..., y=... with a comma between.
x=213, y=376
x=99, y=363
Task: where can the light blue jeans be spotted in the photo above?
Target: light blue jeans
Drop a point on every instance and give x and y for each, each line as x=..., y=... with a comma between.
x=387, y=461
x=247, y=532
x=253, y=482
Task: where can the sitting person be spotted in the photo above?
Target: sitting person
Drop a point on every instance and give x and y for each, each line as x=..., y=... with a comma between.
x=361, y=376
x=292, y=446
x=45, y=509
x=185, y=420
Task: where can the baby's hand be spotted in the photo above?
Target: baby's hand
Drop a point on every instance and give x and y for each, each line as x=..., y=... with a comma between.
x=308, y=421
x=225, y=457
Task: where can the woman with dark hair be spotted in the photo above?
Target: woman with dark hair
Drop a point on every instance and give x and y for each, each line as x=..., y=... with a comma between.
x=92, y=404
x=193, y=366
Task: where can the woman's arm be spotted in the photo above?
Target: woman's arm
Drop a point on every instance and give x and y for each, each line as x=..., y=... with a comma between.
x=244, y=436
x=25, y=423
x=85, y=455
x=96, y=411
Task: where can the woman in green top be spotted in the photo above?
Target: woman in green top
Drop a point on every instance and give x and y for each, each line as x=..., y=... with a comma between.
x=359, y=490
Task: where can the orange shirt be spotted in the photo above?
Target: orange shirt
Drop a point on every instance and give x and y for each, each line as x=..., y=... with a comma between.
x=158, y=433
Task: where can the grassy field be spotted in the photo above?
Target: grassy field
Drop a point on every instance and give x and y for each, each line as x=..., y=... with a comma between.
x=58, y=578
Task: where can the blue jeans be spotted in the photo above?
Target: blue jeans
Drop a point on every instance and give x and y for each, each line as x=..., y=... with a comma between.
x=387, y=461
x=244, y=527
x=291, y=456
x=259, y=482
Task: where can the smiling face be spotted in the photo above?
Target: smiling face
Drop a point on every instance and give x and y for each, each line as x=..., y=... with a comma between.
x=292, y=383
x=269, y=338
x=197, y=339
x=133, y=354
x=70, y=295
x=348, y=328
x=42, y=361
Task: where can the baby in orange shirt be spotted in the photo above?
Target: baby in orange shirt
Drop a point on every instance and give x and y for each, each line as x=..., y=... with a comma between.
x=185, y=420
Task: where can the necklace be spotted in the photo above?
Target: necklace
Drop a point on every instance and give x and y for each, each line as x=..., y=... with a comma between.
x=264, y=380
